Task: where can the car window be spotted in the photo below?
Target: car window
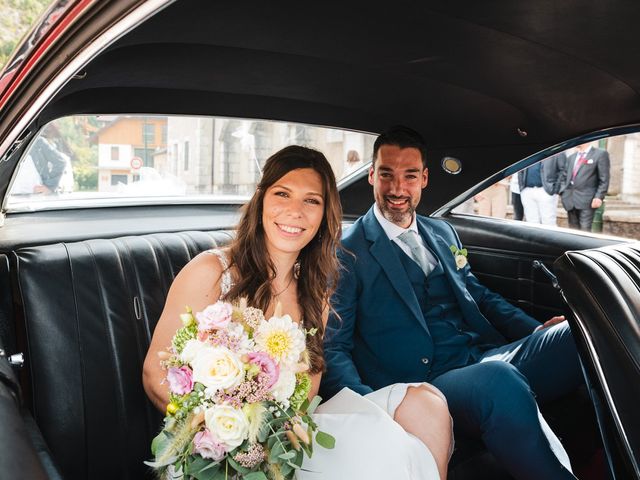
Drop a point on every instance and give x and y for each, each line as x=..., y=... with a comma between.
x=80, y=160
x=564, y=185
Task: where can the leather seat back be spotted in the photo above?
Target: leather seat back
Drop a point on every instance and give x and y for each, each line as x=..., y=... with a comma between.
x=90, y=308
x=602, y=288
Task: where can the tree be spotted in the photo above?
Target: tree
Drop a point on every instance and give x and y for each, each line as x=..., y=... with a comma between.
x=16, y=19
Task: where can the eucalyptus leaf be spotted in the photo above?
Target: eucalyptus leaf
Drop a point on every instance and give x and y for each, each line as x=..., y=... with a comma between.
x=287, y=455
x=255, y=476
x=276, y=451
x=221, y=475
x=239, y=468
x=211, y=465
x=325, y=440
x=304, y=406
x=286, y=469
x=208, y=473
x=159, y=443
x=198, y=463
x=314, y=404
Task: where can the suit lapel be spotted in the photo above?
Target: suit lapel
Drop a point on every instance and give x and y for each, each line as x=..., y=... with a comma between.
x=442, y=252
x=571, y=161
x=382, y=250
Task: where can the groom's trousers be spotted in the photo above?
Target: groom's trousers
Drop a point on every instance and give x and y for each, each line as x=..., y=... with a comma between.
x=495, y=399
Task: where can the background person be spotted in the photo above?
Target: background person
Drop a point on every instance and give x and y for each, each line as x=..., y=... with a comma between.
x=585, y=184
x=492, y=202
x=539, y=185
x=516, y=201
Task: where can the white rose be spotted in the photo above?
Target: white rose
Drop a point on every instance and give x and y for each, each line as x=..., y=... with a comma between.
x=284, y=387
x=217, y=368
x=190, y=350
x=230, y=425
x=461, y=261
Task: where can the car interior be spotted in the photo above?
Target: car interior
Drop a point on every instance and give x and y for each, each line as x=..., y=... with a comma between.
x=496, y=86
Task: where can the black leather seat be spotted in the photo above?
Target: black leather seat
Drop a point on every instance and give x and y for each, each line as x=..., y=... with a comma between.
x=602, y=287
x=89, y=309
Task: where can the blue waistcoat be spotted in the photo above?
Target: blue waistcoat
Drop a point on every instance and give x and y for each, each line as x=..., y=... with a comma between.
x=455, y=345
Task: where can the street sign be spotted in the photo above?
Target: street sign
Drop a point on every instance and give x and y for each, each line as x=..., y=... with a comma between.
x=136, y=163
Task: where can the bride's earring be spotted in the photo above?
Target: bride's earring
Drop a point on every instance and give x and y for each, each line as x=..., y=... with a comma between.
x=296, y=270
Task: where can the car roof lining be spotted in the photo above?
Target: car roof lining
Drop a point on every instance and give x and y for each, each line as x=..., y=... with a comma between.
x=483, y=80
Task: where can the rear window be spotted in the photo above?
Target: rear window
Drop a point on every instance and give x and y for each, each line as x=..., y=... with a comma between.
x=96, y=160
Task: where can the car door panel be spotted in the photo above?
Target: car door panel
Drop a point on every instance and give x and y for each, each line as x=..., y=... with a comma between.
x=502, y=255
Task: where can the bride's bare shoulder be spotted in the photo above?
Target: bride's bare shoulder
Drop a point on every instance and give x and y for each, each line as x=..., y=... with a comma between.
x=205, y=269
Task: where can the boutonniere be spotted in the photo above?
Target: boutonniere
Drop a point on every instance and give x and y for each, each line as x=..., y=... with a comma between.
x=459, y=256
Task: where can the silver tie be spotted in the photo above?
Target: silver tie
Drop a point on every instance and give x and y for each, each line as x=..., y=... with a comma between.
x=418, y=253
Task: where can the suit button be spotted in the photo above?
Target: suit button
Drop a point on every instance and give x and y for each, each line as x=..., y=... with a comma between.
x=425, y=360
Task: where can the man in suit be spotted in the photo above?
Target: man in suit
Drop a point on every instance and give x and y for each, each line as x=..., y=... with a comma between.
x=539, y=185
x=585, y=183
x=410, y=310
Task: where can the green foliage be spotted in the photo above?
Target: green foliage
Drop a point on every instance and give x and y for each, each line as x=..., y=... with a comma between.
x=183, y=335
x=15, y=21
x=301, y=392
x=186, y=403
x=84, y=155
x=325, y=440
x=255, y=476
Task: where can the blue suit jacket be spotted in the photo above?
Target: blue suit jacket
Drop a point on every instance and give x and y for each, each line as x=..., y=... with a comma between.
x=380, y=336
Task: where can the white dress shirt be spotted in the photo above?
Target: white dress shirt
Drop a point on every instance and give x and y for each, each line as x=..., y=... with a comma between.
x=393, y=231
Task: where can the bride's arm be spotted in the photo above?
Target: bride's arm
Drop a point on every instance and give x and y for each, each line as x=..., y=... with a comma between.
x=317, y=377
x=196, y=286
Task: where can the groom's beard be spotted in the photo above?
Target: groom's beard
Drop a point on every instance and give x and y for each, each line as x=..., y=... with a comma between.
x=397, y=217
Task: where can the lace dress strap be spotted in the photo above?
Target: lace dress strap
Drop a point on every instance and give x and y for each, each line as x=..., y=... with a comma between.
x=225, y=280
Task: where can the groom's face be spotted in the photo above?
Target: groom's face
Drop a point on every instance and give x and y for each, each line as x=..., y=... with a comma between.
x=398, y=178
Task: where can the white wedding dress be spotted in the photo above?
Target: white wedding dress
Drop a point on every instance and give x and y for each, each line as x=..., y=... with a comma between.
x=369, y=443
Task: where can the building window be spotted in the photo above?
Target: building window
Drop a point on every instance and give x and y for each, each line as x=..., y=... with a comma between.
x=146, y=154
x=119, y=179
x=164, y=135
x=186, y=155
x=115, y=153
x=148, y=133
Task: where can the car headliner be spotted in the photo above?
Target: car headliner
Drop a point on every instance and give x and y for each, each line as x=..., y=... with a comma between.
x=487, y=82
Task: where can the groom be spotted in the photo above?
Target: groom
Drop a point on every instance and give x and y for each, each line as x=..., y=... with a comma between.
x=409, y=310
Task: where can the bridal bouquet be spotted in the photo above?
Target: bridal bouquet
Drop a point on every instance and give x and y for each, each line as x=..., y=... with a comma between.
x=238, y=397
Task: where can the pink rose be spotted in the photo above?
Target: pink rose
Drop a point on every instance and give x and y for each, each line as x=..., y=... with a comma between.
x=207, y=445
x=268, y=366
x=180, y=380
x=214, y=317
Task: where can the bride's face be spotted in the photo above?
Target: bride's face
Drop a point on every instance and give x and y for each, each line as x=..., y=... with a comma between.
x=292, y=210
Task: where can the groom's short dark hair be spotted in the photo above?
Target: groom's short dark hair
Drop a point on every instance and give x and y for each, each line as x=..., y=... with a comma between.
x=403, y=137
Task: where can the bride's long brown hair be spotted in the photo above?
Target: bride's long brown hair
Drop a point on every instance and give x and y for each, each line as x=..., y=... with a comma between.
x=318, y=260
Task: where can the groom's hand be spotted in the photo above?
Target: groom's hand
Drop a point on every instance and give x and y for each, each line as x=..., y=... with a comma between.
x=551, y=322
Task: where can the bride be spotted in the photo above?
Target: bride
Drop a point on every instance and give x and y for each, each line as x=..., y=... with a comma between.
x=285, y=252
